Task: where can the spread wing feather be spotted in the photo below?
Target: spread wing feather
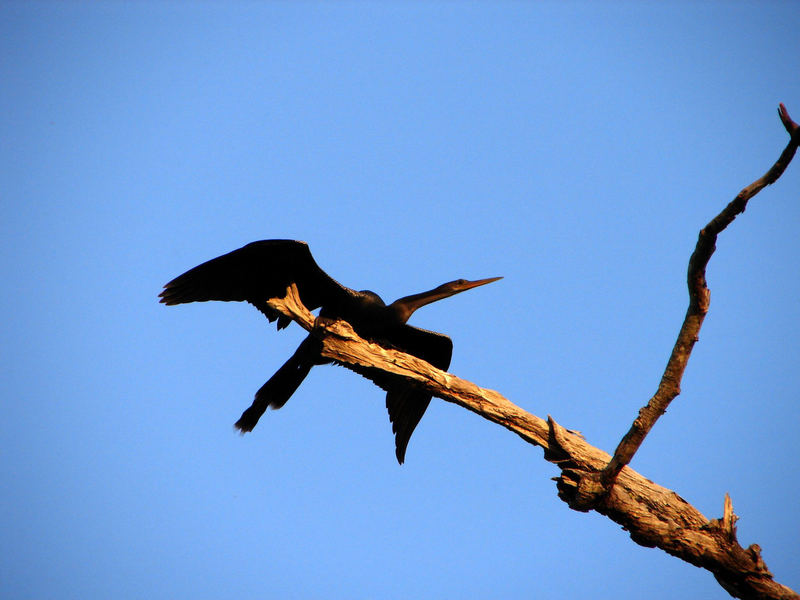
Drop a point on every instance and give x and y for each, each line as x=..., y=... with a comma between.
x=255, y=273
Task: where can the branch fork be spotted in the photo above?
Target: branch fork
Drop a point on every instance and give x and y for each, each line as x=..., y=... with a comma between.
x=699, y=302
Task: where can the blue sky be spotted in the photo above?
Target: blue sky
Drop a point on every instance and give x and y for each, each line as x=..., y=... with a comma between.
x=574, y=148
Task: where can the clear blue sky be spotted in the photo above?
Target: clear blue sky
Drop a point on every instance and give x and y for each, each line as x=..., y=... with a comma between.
x=575, y=149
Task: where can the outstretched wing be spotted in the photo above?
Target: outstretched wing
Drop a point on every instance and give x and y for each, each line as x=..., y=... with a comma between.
x=405, y=401
x=255, y=273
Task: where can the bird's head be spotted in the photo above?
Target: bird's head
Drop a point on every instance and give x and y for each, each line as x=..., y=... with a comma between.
x=404, y=307
x=459, y=285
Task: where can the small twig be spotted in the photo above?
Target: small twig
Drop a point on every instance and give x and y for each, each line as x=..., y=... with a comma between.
x=699, y=299
x=729, y=518
x=291, y=306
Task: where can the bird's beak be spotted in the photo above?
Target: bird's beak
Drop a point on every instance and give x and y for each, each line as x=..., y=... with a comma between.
x=468, y=285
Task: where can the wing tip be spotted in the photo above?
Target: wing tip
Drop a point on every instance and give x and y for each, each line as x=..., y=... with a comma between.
x=242, y=427
x=169, y=295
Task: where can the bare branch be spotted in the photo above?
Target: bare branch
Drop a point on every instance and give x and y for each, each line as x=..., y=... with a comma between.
x=653, y=515
x=699, y=299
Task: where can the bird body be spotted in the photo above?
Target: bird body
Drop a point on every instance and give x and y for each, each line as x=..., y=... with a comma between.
x=263, y=270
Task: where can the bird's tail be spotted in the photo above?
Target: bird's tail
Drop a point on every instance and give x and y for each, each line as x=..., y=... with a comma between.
x=280, y=387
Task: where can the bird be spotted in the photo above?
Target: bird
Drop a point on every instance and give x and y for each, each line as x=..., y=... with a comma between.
x=263, y=270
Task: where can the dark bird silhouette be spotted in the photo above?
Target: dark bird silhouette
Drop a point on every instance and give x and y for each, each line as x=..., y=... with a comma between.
x=263, y=270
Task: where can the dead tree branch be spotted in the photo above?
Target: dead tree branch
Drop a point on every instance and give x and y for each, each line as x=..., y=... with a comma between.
x=699, y=299
x=590, y=479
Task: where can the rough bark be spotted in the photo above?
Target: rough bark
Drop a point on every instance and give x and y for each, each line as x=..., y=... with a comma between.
x=590, y=479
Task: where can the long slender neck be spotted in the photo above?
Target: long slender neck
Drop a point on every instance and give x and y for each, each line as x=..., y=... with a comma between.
x=405, y=307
